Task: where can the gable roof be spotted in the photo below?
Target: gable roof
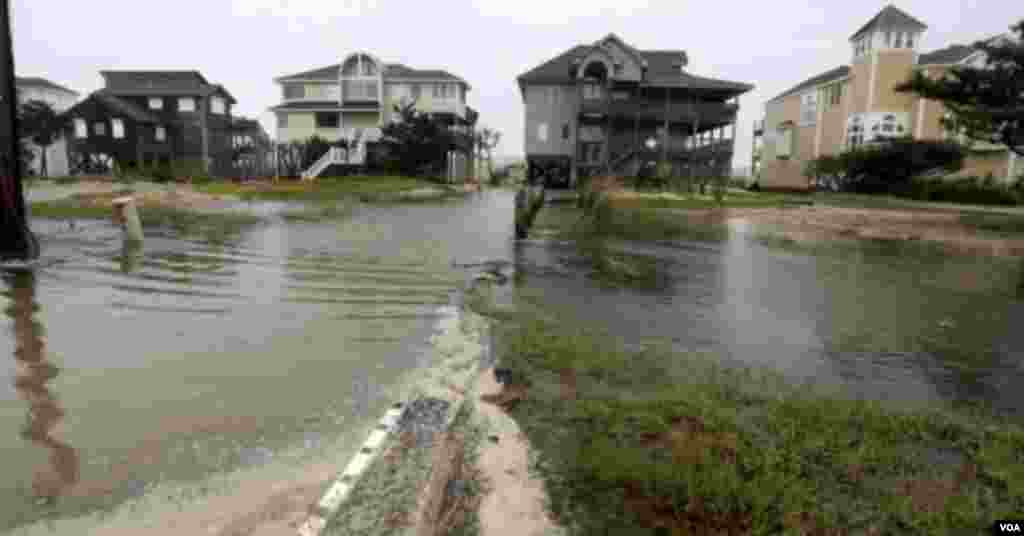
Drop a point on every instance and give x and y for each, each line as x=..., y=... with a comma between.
x=827, y=76
x=890, y=16
x=172, y=83
x=391, y=70
x=116, y=106
x=663, y=70
x=36, y=81
x=950, y=54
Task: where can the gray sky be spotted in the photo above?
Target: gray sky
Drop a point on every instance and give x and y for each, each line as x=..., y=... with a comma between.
x=244, y=44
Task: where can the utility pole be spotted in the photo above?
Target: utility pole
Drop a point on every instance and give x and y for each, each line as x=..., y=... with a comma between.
x=16, y=239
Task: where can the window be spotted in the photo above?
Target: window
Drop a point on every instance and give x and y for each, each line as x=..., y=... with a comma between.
x=332, y=92
x=156, y=103
x=99, y=128
x=898, y=43
x=444, y=91
x=542, y=132
x=360, y=89
x=81, y=129
x=217, y=105
x=282, y=121
x=910, y=40
x=831, y=96
x=565, y=131
x=590, y=133
x=294, y=91
x=160, y=134
x=592, y=91
x=327, y=119
x=186, y=104
x=888, y=39
x=809, y=109
x=617, y=69
x=117, y=126
x=784, y=147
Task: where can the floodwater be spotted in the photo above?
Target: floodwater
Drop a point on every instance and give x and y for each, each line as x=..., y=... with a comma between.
x=129, y=370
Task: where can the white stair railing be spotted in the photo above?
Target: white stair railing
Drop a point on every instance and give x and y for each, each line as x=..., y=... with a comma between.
x=334, y=155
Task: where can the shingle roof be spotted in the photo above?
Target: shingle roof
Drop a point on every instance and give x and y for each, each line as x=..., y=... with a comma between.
x=172, y=83
x=391, y=70
x=308, y=105
x=827, y=76
x=890, y=16
x=663, y=69
x=41, y=82
x=117, y=106
x=950, y=54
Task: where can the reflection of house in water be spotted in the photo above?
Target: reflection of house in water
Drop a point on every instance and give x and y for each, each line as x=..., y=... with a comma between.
x=34, y=372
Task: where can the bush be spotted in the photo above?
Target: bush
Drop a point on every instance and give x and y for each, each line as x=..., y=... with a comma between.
x=885, y=167
x=971, y=190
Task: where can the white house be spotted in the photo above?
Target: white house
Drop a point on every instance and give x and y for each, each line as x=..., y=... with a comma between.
x=60, y=98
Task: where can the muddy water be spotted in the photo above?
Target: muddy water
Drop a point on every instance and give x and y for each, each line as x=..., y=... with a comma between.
x=129, y=372
x=899, y=322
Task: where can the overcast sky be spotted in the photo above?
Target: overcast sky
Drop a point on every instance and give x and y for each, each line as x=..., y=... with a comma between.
x=244, y=44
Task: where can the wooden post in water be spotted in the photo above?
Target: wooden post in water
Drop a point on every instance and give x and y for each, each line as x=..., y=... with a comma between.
x=16, y=239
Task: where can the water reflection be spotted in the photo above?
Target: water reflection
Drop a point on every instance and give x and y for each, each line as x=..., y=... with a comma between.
x=33, y=373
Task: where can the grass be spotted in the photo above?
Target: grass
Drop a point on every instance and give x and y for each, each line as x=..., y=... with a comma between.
x=364, y=188
x=626, y=223
x=1001, y=224
x=734, y=199
x=658, y=442
x=332, y=211
x=215, y=226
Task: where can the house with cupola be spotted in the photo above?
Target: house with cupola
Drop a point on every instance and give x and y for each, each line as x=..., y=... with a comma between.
x=856, y=104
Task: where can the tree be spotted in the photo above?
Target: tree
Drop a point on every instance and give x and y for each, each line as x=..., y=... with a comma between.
x=485, y=140
x=43, y=125
x=885, y=167
x=418, y=143
x=986, y=103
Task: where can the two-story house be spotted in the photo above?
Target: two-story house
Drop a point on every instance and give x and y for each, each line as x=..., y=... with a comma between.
x=608, y=107
x=153, y=117
x=354, y=99
x=253, y=148
x=856, y=104
x=60, y=99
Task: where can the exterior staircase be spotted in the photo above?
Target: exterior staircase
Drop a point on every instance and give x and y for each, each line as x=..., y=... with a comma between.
x=353, y=157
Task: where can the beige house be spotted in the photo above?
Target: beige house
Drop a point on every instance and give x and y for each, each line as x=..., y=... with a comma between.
x=355, y=98
x=855, y=104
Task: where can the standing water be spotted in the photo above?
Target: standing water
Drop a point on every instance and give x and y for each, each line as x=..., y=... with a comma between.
x=131, y=373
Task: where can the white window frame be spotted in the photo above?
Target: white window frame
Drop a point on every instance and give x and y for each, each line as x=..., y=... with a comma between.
x=542, y=132
x=282, y=120
x=156, y=103
x=191, y=104
x=809, y=108
x=218, y=105
x=117, y=128
x=100, y=128
x=160, y=133
x=784, y=147
x=81, y=128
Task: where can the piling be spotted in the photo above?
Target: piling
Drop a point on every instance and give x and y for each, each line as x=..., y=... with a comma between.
x=126, y=215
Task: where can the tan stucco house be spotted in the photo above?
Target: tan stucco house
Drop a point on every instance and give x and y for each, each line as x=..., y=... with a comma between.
x=855, y=104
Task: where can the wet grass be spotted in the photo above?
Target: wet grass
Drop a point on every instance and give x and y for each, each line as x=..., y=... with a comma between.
x=364, y=188
x=734, y=199
x=213, y=226
x=653, y=441
x=626, y=223
x=999, y=224
x=322, y=212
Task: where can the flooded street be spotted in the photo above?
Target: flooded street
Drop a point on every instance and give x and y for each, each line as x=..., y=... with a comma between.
x=129, y=372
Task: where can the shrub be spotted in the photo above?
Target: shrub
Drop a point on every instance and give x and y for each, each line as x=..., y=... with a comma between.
x=973, y=190
x=885, y=167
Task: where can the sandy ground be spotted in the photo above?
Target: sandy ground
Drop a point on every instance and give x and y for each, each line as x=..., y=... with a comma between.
x=515, y=505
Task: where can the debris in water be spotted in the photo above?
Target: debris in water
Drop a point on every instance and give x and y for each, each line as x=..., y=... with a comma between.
x=424, y=417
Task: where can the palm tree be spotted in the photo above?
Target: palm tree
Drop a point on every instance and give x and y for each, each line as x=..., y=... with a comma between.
x=43, y=125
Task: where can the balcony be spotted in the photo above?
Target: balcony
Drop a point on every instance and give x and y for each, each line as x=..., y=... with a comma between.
x=360, y=91
x=707, y=113
x=593, y=100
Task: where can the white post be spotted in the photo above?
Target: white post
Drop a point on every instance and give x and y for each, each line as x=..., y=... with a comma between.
x=127, y=216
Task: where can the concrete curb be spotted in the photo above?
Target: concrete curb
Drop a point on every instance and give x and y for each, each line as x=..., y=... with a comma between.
x=458, y=344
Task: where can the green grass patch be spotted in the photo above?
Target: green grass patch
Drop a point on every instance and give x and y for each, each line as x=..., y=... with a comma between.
x=693, y=201
x=640, y=224
x=1002, y=224
x=652, y=441
x=332, y=211
x=213, y=226
x=364, y=188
